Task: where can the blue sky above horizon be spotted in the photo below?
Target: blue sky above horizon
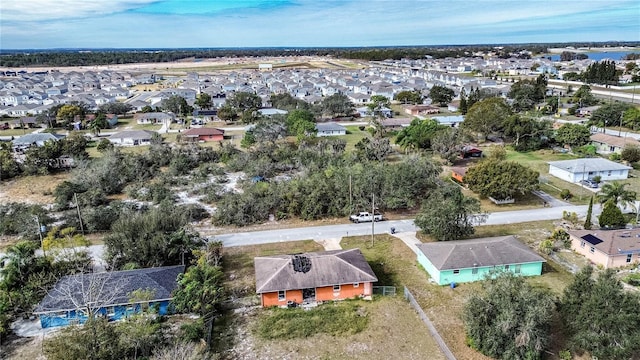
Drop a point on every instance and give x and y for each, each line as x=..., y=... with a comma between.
x=42, y=24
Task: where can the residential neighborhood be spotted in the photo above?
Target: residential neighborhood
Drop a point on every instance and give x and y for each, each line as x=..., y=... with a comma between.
x=242, y=210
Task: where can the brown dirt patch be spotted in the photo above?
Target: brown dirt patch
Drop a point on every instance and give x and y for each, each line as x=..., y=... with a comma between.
x=31, y=189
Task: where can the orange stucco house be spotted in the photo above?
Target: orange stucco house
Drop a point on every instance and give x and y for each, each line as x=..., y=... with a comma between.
x=203, y=134
x=609, y=248
x=282, y=280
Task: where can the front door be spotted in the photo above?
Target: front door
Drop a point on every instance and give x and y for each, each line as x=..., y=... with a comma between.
x=309, y=295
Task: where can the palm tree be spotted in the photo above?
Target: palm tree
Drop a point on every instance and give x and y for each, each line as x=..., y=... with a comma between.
x=617, y=193
x=19, y=259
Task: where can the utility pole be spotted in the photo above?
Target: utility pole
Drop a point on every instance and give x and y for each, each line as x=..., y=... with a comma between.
x=75, y=198
x=40, y=233
x=350, y=196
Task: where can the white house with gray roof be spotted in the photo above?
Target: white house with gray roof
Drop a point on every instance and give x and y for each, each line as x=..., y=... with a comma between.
x=330, y=129
x=586, y=169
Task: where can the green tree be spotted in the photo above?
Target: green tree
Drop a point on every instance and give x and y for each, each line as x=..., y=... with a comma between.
x=631, y=118
x=75, y=145
x=104, y=145
x=9, y=167
x=227, y=113
x=447, y=143
x=487, y=116
x=587, y=220
x=584, y=97
x=510, y=319
x=67, y=113
x=177, y=105
x=526, y=133
x=630, y=153
x=501, y=179
x=573, y=135
x=373, y=148
x=203, y=101
x=617, y=193
x=287, y=102
x=611, y=216
x=446, y=214
x=441, y=95
x=409, y=97
x=419, y=133
x=527, y=93
x=95, y=340
x=609, y=114
x=337, y=105
x=301, y=123
x=117, y=108
x=601, y=318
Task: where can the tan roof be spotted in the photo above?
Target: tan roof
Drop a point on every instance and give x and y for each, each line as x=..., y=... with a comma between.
x=336, y=267
x=612, y=140
x=494, y=251
x=459, y=170
x=610, y=242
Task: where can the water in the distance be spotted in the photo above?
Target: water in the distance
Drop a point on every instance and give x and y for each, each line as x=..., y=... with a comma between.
x=597, y=56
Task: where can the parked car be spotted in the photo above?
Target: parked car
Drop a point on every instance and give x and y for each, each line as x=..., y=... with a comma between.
x=589, y=183
x=4, y=126
x=365, y=217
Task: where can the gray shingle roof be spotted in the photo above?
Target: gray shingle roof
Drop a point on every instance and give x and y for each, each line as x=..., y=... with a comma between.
x=462, y=254
x=37, y=138
x=276, y=273
x=162, y=280
x=330, y=126
x=589, y=164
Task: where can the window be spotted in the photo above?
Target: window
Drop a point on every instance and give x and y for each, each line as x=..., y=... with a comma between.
x=592, y=249
x=281, y=295
x=609, y=172
x=582, y=244
x=456, y=272
x=355, y=285
x=474, y=271
x=336, y=288
x=629, y=256
x=518, y=269
x=111, y=311
x=506, y=267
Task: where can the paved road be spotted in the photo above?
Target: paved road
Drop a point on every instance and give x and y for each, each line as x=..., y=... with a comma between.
x=337, y=231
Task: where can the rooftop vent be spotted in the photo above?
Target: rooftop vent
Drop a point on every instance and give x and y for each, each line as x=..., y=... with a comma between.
x=301, y=263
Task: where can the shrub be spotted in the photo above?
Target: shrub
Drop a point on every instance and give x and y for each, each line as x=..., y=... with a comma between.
x=597, y=179
x=546, y=246
x=565, y=194
x=614, y=157
x=630, y=153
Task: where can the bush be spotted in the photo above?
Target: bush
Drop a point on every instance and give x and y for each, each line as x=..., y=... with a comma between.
x=614, y=157
x=565, y=194
x=630, y=153
x=597, y=179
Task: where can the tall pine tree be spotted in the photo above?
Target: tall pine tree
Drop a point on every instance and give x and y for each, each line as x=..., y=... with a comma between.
x=587, y=221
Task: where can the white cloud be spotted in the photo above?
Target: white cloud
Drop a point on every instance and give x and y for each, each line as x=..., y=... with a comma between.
x=42, y=10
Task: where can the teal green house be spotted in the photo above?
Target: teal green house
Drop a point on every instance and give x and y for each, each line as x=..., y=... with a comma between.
x=470, y=260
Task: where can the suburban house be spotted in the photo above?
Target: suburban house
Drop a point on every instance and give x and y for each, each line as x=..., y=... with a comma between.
x=131, y=137
x=37, y=139
x=203, y=134
x=272, y=111
x=108, y=294
x=586, y=169
x=112, y=120
x=365, y=111
x=607, y=144
x=451, y=120
x=609, y=248
x=469, y=151
x=396, y=123
x=458, y=173
x=418, y=110
x=205, y=115
x=154, y=118
x=282, y=280
x=470, y=260
x=330, y=129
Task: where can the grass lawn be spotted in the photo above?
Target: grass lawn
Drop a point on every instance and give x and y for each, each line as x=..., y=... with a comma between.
x=537, y=160
x=130, y=124
x=15, y=132
x=396, y=265
x=354, y=135
x=391, y=327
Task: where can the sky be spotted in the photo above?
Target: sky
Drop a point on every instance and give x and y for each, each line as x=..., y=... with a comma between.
x=48, y=24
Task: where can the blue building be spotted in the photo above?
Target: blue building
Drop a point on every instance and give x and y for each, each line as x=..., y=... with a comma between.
x=107, y=294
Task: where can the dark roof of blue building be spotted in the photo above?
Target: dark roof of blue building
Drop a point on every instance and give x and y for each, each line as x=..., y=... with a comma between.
x=109, y=288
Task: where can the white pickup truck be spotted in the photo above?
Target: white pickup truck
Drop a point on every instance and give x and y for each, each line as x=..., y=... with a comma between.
x=365, y=217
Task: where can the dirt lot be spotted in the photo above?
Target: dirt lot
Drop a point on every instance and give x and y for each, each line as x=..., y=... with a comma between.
x=31, y=189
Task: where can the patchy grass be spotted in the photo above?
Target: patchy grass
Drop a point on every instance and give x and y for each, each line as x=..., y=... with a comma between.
x=339, y=318
x=15, y=132
x=31, y=189
x=354, y=135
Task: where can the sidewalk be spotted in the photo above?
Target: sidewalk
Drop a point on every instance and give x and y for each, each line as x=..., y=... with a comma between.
x=410, y=239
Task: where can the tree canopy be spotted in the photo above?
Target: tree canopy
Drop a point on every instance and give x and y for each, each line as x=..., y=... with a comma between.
x=441, y=95
x=501, y=179
x=573, y=135
x=600, y=316
x=337, y=105
x=409, y=97
x=487, y=116
x=447, y=214
x=419, y=133
x=510, y=319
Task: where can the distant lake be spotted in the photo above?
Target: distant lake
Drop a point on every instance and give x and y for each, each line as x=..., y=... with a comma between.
x=597, y=56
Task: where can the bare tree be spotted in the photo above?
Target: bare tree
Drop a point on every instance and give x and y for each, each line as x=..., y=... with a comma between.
x=182, y=351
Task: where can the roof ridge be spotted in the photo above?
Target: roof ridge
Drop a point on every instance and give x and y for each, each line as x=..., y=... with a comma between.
x=348, y=263
x=273, y=275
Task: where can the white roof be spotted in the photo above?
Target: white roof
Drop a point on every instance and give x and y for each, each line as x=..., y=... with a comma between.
x=586, y=165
